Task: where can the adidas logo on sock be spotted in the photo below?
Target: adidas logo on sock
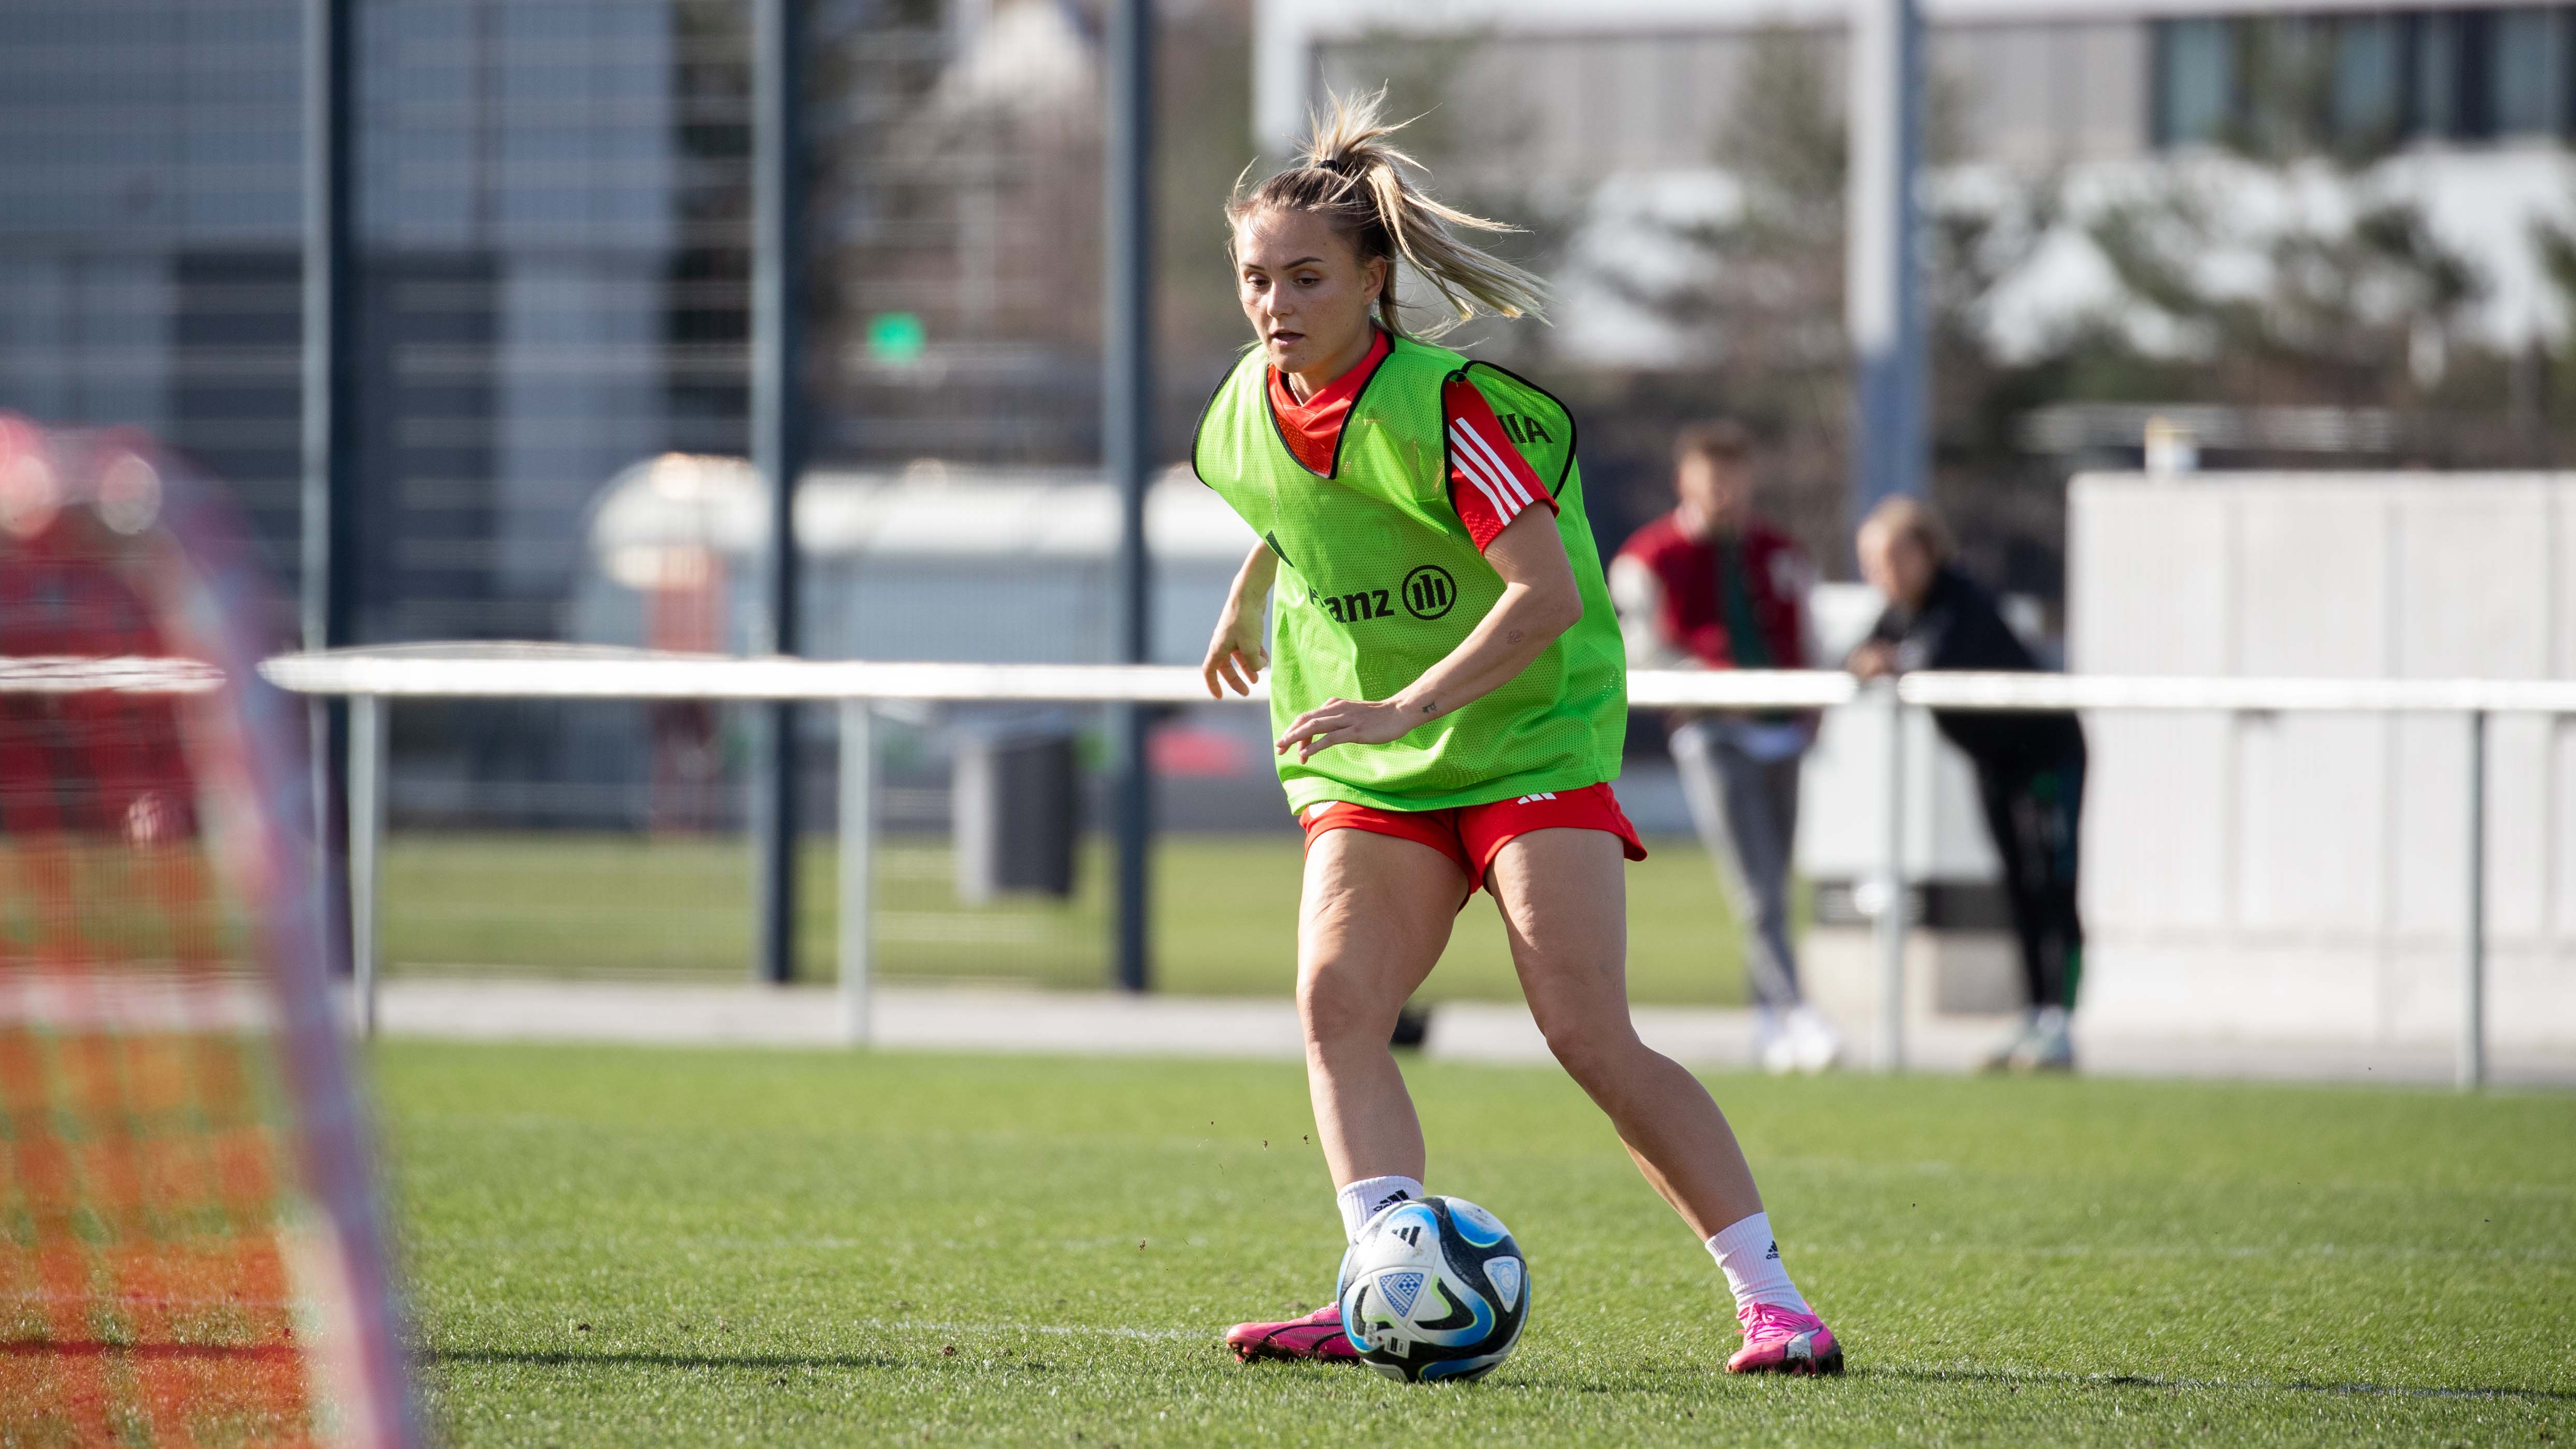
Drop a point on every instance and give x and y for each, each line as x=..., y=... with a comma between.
x=1773, y=1256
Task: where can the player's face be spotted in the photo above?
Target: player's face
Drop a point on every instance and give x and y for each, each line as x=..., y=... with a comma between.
x=1305, y=290
x=1716, y=494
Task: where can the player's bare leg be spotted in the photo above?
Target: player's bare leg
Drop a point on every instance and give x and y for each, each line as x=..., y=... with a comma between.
x=1374, y=919
x=1375, y=916
x=1564, y=906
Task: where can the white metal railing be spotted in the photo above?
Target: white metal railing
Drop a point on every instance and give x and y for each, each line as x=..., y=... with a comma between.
x=115, y=674
x=372, y=678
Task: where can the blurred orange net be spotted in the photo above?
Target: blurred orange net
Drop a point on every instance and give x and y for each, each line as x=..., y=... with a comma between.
x=169, y=1272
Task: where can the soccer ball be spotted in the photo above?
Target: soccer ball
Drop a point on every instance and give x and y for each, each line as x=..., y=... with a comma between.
x=1434, y=1288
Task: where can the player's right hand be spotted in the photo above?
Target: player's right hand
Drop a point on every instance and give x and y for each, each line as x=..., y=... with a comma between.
x=1235, y=655
x=1873, y=659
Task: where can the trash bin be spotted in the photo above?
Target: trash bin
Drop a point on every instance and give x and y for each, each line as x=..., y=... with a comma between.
x=1014, y=805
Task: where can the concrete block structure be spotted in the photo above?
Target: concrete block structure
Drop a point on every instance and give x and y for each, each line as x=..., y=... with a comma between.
x=2304, y=876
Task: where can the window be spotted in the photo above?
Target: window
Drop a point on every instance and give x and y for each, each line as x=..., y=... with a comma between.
x=2195, y=81
x=2362, y=81
x=2368, y=100
x=2529, y=71
x=2440, y=108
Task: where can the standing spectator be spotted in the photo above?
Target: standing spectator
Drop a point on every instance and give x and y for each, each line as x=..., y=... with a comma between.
x=1711, y=586
x=2030, y=767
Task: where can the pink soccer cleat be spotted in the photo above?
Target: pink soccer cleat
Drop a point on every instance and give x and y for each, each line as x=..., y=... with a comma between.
x=1784, y=1341
x=1316, y=1336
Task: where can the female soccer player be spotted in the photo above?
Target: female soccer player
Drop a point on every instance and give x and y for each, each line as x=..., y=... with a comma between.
x=1449, y=697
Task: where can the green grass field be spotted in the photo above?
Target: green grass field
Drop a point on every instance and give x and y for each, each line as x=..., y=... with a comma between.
x=1225, y=909
x=620, y=1247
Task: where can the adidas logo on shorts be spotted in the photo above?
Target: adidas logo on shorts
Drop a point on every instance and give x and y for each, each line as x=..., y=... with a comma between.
x=1529, y=799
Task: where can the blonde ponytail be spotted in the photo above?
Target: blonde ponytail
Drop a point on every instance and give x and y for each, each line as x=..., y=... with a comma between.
x=1348, y=174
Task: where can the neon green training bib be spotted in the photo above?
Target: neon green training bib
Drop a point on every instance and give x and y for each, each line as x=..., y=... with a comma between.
x=1379, y=580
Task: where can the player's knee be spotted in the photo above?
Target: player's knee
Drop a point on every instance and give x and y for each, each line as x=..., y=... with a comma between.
x=1334, y=1008
x=1590, y=1046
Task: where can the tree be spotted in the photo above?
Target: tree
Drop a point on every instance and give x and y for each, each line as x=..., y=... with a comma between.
x=2351, y=300
x=1763, y=301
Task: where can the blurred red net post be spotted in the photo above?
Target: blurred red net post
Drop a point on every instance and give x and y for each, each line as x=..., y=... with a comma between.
x=189, y=1249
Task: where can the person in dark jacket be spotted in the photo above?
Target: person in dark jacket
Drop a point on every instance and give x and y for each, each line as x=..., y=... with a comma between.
x=2030, y=767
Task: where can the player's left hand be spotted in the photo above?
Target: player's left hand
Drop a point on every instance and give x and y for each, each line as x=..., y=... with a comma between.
x=1345, y=722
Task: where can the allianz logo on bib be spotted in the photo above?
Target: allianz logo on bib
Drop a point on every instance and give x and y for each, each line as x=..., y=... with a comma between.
x=1352, y=608
x=1427, y=593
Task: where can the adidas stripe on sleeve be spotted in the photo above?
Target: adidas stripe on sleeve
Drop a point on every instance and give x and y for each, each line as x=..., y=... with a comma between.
x=1489, y=481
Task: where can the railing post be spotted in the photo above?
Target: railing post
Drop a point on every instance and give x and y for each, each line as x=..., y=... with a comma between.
x=2473, y=954
x=858, y=845
x=1888, y=929
x=366, y=848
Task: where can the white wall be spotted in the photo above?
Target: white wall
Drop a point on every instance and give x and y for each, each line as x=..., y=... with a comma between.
x=2306, y=875
x=1842, y=787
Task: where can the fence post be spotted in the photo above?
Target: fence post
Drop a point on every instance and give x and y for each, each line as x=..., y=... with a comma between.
x=2473, y=954
x=778, y=450
x=1888, y=929
x=1883, y=268
x=366, y=848
x=329, y=511
x=858, y=845
x=1127, y=457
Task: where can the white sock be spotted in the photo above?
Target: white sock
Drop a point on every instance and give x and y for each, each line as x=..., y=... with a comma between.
x=1361, y=1200
x=1750, y=1258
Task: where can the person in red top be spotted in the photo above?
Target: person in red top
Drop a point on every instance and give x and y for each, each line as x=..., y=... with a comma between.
x=1711, y=586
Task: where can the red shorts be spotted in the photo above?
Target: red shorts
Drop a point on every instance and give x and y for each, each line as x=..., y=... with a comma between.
x=1471, y=835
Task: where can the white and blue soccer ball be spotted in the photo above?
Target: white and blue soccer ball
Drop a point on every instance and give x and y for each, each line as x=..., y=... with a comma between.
x=1434, y=1289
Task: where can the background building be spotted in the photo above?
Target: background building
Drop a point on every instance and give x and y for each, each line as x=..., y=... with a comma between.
x=2336, y=234
x=553, y=226
x=552, y=272
x=530, y=222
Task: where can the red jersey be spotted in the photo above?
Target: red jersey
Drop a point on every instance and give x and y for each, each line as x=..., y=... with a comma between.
x=1696, y=601
x=1489, y=482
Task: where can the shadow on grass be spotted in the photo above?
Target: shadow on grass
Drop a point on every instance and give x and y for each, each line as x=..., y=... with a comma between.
x=2153, y=1381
